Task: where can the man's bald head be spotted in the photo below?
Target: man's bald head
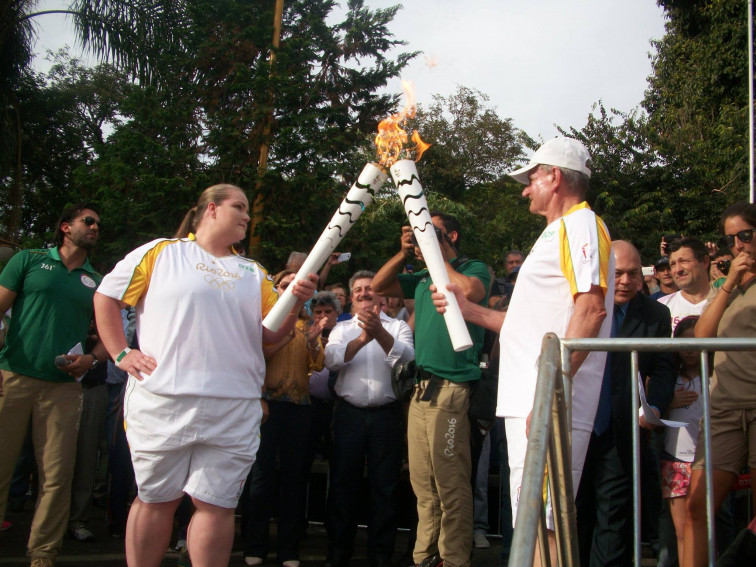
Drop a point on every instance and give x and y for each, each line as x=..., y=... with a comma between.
x=628, y=277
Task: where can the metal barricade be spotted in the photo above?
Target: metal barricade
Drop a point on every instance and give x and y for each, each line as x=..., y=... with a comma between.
x=549, y=440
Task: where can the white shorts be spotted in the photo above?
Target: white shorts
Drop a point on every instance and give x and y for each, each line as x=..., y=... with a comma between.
x=198, y=445
x=517, y=445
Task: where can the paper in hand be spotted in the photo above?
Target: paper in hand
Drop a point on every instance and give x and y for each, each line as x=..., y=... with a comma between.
x=648, y=412
x=77, y=349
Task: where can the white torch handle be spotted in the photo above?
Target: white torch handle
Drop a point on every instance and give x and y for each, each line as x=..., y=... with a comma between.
x=404, y=174
x=356, y=201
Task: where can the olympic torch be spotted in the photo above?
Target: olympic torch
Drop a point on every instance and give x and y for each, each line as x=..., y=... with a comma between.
x=356, y=201
x=393, y=144
x=404, y=174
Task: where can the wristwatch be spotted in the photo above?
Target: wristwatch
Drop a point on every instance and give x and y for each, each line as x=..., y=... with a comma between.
x=94, y=358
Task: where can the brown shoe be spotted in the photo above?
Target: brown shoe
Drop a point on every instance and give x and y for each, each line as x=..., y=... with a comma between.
x=42, y=562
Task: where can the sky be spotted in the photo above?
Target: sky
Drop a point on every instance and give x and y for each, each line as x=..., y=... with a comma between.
x=541, y=62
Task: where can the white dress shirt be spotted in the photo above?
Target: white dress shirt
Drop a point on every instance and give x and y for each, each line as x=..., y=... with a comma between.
x=365, y=381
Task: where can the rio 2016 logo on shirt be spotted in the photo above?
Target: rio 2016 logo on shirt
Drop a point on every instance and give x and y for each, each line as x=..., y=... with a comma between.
x=585, y=250
x=87, y=281
x=218, y=278
x=548, y=235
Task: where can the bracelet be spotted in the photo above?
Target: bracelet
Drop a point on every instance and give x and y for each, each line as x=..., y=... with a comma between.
x=724, y=290
x=95, y=362
x=315, y=347
x=121, y=356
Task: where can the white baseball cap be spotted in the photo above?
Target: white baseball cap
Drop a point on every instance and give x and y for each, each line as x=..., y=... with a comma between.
x=561, y=152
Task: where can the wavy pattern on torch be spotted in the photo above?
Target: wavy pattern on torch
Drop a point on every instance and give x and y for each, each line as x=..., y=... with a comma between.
x=407, y=181
x=424, y=227
x=339, y=228
x=420, y=195
x=366, y=187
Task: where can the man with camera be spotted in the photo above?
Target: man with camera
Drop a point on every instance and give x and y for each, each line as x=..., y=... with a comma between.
x=438, y=432
x=367, y=423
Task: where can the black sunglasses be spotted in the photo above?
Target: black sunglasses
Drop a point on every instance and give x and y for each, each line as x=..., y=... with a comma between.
x=744, y=236
x=89, y=221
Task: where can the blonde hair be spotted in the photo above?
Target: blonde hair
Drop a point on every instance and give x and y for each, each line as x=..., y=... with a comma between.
x=213, y=194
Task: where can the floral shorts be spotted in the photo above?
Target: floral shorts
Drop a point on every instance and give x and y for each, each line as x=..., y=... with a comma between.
x=675, y=478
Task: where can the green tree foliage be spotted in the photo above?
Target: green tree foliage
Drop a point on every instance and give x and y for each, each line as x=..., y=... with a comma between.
x=134, y=35
x=65, y=116
x=697, y=103
x=676, y=166
x=463, y=173
x=631, y=188
x=470, y=143
x=202, y=122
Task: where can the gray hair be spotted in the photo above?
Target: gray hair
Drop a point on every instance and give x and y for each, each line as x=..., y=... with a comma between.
x=577, y=181
x=295, y=260
x=359, y=275
x=326, y=298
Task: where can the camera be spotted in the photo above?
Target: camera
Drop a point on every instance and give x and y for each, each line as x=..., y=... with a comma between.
x=439, y=234
x=667, y=239
x=724, y=266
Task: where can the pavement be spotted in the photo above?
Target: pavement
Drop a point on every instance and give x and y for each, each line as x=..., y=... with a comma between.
x=107, y=551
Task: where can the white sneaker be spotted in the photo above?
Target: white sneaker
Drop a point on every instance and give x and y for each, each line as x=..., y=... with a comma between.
x=480, y=540
x=253, y=560
x=82, y=533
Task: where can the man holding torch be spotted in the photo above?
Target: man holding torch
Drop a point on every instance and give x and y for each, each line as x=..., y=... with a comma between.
x=565, y=286
x=438, y=433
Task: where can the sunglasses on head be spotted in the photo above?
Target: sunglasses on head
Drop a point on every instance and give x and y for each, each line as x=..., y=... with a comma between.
x=743, y=235
x=89, y=221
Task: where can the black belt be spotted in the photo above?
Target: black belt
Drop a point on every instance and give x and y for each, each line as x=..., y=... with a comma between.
x=434, y=382
x=389, y=405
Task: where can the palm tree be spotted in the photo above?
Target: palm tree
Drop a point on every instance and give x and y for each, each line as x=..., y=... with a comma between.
x=131, y=34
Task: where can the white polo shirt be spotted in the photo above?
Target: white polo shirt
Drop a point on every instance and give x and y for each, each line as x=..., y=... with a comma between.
x=365, y=381
x=572, y=254
x=199, y=316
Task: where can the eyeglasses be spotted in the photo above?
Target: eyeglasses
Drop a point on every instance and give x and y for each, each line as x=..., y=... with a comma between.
x=89, y=221
x=744, y=236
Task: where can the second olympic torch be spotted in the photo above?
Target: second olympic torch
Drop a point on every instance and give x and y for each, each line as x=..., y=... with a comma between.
x=404, y=174
x=357, y=199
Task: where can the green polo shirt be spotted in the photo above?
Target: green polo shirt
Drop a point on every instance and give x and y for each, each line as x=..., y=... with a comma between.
x=51, y=313
x=433, y=349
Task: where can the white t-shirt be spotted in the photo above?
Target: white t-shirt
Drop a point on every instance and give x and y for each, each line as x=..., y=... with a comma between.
x=680, y=442
x=199, y=316
x=679, y=307
x=572, y=254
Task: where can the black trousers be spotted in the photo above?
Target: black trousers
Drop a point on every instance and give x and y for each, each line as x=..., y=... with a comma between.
x=361, y=436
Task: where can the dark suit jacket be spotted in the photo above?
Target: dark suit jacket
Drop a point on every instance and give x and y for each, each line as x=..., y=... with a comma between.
x=645, y=318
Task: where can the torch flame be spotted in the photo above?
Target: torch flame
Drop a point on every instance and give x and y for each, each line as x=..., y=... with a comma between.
x=420, y=146
x=392, y=139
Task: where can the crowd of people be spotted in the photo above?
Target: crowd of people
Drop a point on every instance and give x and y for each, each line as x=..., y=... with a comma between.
x=204, y=410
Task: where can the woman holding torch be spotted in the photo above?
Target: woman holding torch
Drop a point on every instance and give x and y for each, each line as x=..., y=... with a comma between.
x=192, y=402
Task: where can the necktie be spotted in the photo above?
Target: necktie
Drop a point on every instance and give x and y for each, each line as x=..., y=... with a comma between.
x=604, y=411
